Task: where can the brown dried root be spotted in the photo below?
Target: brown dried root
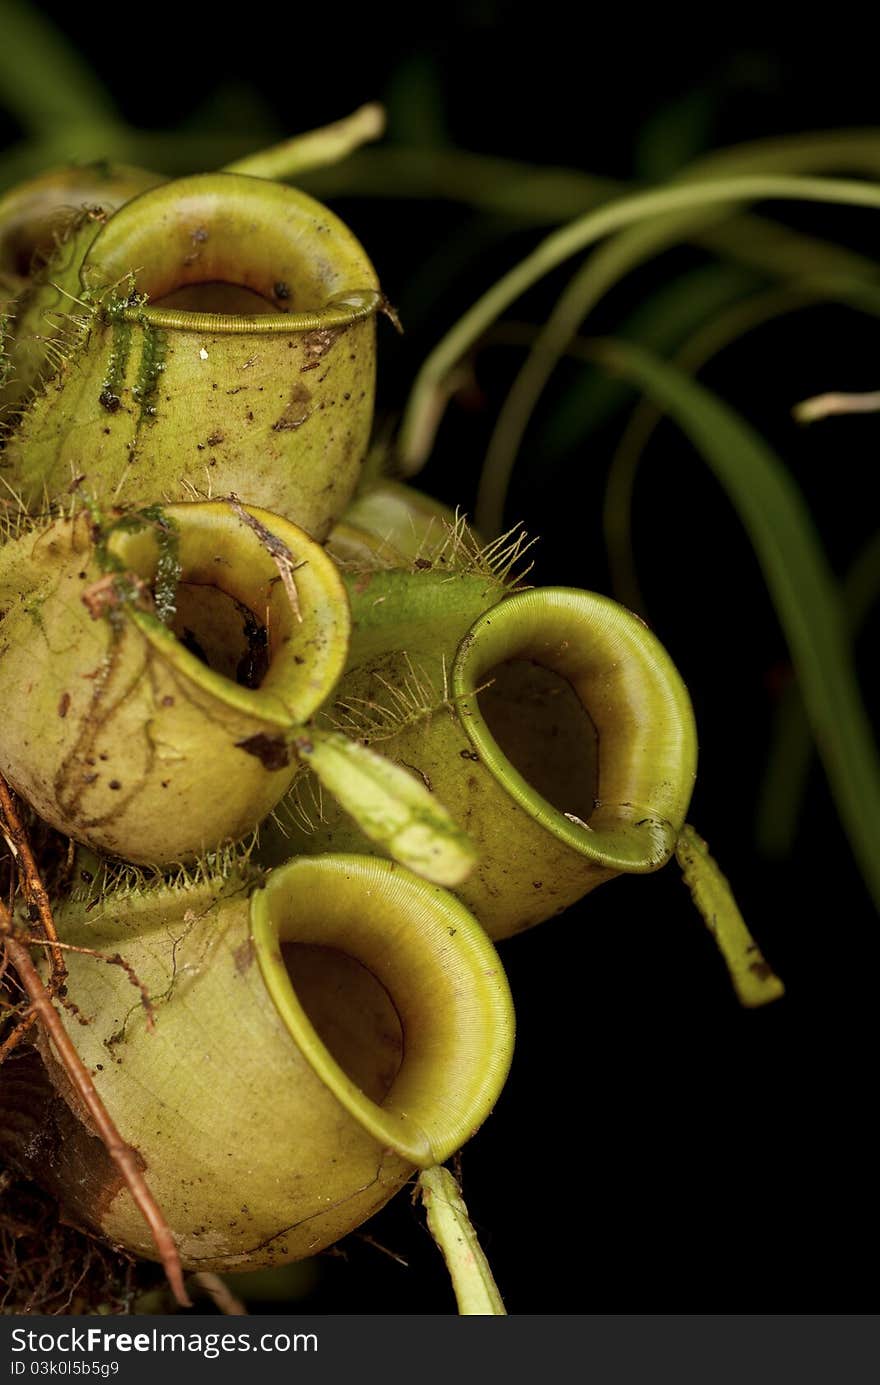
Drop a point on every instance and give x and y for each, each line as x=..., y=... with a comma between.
x=41, y=1008
x=121, y=1153
x=115, y=960
x=30, y=881
x=47, y=1267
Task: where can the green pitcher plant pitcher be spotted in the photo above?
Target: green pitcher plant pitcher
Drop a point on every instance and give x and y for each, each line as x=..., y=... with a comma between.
x=551, y=719
x=222, y=340
x=159, y=673
x=46, y=227
x=315, y=1040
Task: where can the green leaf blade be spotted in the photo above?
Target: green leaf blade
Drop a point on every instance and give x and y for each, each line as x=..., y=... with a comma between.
x=800, y=582
x=390, y=806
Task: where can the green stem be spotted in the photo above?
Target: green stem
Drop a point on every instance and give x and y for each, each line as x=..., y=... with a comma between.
x=316, y=148
x=475, y=1289
x=753, y=978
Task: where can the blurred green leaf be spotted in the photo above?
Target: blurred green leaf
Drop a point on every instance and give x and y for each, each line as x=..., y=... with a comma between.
x=416, y=103
x=758, y=251
x=526, y=194
x=661, y=323
x=672, y=137
x=791, y=745
x=540, y=195
x=43, y=80
x=779, y=252
x=529, y=195
x=820, y=151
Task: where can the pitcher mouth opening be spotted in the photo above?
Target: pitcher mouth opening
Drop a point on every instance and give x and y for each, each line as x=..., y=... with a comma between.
x=223, y=633
x=637, y=779
x=351, y=1012
x=440, y=1001
x=545, y=732
x=228, y=254
x=229, y=622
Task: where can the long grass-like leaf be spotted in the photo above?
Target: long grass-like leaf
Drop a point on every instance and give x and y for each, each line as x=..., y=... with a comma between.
x=690, y=203
x=610, y=263
x=523, y=194
x=755, y=252
x=791, y=746
x=800, y=582
x=661, y=323
x=715, y=336
x=831, y=151
x=850, y=150
x=530, y=195
x=316, y=148
x=526, y=195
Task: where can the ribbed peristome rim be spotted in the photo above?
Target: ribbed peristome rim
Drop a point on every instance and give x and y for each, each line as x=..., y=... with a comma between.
x=635, y=698
x=440, y=971
x=217, y=547
x=235, y=229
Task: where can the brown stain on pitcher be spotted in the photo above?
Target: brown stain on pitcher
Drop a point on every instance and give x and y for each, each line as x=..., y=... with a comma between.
x=316, y=344
x=75, y=774
x=296, y=411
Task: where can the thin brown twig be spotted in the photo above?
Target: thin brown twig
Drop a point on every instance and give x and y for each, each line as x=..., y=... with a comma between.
x=121, y=1153
x=113, y=959
x=377, y=1245
x=277, y=550
x=14, y=1039
x=32, y=885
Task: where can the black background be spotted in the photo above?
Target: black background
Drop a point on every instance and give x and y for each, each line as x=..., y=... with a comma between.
x=656, y=1146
